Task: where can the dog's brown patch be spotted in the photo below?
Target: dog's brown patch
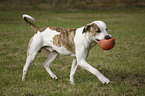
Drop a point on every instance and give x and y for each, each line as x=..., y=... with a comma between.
x=94, y=29
x=65, y=38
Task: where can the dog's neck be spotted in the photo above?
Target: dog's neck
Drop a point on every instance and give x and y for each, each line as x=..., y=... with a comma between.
x=84, y=37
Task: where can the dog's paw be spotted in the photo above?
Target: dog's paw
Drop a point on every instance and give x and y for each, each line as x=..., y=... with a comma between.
x=54, y=76
x=72, y=83
x=104, y=80
x=23, y=79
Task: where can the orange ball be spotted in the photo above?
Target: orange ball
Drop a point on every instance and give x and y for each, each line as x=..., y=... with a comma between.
x=107, y=44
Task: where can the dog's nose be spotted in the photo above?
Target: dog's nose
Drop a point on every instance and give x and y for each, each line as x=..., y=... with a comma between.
x=107, y=37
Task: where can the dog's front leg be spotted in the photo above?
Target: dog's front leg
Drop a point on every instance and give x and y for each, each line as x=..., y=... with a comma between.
x=81, y=60
x=73, y=71
x=94, y=71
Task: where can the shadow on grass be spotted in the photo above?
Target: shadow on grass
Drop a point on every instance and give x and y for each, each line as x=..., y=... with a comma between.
x=130, y=79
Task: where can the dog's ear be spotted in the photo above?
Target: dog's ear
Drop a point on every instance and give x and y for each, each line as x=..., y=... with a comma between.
x=87, y=28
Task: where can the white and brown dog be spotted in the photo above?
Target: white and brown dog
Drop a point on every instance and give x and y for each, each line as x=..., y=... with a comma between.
x=74, y=42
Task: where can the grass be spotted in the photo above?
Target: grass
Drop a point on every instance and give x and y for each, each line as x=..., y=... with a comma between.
x=124, y=65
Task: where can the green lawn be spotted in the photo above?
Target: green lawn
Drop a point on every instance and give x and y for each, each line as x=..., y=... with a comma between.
x=124, y=65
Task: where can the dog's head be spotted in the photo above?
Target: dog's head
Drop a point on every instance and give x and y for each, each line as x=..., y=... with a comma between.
x=97, y=31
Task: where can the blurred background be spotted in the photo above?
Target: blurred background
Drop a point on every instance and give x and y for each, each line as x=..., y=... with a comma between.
x=69, y=4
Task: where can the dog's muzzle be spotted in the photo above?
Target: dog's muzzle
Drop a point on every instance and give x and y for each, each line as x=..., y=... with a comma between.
x=106, y=37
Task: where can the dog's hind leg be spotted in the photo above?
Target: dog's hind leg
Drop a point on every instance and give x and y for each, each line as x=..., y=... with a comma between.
x=51, y=57
x=34, y=46
x=29, y=60
x=73, y=71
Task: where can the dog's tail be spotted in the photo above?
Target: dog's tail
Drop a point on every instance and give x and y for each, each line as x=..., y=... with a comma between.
x=25, y=16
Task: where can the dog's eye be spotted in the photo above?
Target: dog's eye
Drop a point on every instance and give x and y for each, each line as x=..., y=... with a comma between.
x=107, y=29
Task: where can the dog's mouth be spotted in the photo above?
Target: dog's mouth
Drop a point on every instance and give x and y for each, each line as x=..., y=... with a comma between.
x=106, y=38
x=98, y=41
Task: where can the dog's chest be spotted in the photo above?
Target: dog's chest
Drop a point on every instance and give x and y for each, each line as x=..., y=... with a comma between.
x=65, y=38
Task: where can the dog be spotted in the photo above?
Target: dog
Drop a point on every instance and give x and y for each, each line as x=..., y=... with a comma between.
x=74, y=42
